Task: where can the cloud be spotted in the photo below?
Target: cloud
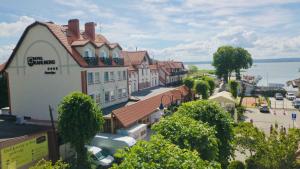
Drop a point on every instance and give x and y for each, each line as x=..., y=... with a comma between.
x=15, y=28
x=5, y=52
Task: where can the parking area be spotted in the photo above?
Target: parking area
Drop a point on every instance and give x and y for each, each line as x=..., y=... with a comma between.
x=281, y=104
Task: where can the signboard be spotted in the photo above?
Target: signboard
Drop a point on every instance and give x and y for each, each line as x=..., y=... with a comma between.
x=294, y=115
x=18, y=155
x=39, y=60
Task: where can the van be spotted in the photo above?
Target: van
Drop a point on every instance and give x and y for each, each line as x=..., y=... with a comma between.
x=112, y=142
x=99, y=156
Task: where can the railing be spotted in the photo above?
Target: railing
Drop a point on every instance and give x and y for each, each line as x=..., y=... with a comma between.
x=106, y=60
x=179, y=73
x=119, y=61
x=91, y=61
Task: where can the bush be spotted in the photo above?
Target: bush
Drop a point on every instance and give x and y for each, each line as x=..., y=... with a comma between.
x=236, y=165
x=43, y=164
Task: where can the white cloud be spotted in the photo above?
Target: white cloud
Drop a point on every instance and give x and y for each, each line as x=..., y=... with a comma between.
x=5, y=52
x=15, y=28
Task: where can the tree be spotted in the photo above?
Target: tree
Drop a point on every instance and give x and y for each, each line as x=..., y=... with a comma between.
x=223, y=62
x=188, y=133
x=234, y=88
x=211, y=113
x=189, y=82
x=201, y=87
x=242, y=60
x=43, y=164
x=192, y=69
x=211, y=84
x=80, y=118
x=159, y=153
x=247, y=137
x=3, y=91
x=236, y=165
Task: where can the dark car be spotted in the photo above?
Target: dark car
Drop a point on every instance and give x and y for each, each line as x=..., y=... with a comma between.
x=278, y=96
x=264, y=109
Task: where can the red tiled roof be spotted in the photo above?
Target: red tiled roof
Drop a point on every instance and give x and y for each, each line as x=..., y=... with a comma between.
x=132, y=58
x=153, y=67
x=132, y=113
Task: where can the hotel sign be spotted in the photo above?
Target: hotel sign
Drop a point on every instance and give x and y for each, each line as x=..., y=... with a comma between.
x=39, y=60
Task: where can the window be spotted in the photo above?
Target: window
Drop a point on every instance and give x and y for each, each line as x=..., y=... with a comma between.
x=97, y=77
x=124, y=92
x=103, y=53
x=88, y=53
x=119, y=75
x=107, y=96
x=98, y=98
x=112, y=76
x=115, y=55
x=92, y=96
x=119, y=93
x=124, y=75
x=90, y=78
x=143, y=72
x=106, y=77
x=112, y=95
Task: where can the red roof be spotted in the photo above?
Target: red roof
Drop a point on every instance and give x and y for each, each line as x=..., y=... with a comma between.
x=132, y=113
x=133, y=58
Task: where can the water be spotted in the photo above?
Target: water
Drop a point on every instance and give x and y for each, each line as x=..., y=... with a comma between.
x=276, y=72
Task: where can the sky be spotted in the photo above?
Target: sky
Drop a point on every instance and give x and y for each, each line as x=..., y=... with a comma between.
x=184, y=30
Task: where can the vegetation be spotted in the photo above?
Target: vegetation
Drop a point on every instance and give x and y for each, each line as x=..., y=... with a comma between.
x=240, y=112
x=80, y=118
x=189, y=82
x=234, y=88
x=228, y=59
x=188, y=133
x=159, y=153
x=215, y=116
x=3, y=92
x=211, y=84
x=43, y=164
x=192, y=69
x=201, y=87
x=236, y=165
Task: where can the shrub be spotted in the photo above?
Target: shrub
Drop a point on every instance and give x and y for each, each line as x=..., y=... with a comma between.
x=236, y=165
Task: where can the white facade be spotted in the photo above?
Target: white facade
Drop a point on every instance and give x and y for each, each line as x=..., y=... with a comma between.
x=34, y=87
x=133, y=81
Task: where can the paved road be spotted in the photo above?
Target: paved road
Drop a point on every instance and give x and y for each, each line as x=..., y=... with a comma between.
x=280, y=104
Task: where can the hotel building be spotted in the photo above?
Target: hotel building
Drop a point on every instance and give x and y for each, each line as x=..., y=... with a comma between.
x=51, y=60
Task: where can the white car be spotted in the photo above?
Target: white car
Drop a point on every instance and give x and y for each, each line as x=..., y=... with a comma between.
x=290, y=96
x=99, y=156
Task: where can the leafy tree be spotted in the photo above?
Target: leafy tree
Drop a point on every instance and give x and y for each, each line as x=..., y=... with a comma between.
x=3, y=92
x=242, y=60
x=192, y=69
x=159, y=153
x=188, y=133
x=248, y=137
x=211, y=84
x=234, y=87
x=189, y=82
x=80, y=118
x=43, y=164
x=201, y=87
x=236, y=165
x=211, y=113
x=223, y=62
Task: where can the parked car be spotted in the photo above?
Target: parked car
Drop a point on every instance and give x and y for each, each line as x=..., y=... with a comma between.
x=100, y=157
x=296, y=103
x=278, y=96
x=290, y=96
x=264, y=108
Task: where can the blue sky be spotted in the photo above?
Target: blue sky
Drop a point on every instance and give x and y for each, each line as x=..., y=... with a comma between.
x=186, y=30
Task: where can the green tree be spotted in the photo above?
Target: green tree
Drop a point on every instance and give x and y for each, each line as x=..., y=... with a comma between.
x=234, y=88
x=3, y=91
x=159, y=153
x=211, y=84
x=43, y=164
x=236, y=165
x=188, y=133
x=192, y=69
x=189, y=82
x=201, y=87
x=80, y=118
x=242, y=60
x=223, y=62
x=211, y=113
x=247, y=138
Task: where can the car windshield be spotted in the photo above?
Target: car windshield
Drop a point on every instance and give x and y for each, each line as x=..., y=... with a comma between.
x=99, y=155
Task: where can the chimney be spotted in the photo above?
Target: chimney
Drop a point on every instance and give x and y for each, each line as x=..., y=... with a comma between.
x=73, y=26
x=90, y=30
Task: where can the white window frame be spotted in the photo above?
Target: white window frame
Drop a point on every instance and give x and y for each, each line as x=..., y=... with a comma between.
x=97, y=77
x=103, y=53
x=90, y=81
x=89, y=52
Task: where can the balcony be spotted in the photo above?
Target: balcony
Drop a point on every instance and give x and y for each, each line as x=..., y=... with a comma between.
x=91, y=61
x=106, y=60
x=119, y=61
x=182, y=72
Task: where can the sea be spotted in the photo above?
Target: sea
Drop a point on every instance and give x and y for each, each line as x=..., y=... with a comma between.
x=271, y=72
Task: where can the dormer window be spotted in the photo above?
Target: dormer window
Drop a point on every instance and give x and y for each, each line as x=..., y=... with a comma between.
x=115, y=55
x=88, y=52
x=103, y=53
